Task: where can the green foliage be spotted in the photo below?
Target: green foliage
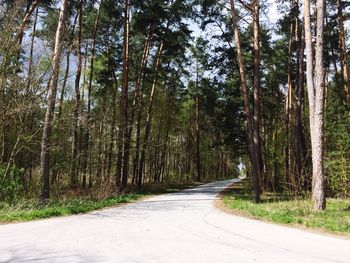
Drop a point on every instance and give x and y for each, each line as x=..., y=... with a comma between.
x=337, y=156
x=11, y=183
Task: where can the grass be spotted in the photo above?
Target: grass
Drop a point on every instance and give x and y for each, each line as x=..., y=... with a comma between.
x=33, y=209
x=281, y=209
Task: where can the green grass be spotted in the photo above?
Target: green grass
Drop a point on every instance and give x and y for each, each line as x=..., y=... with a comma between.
x=279, y=209
x=33, y=209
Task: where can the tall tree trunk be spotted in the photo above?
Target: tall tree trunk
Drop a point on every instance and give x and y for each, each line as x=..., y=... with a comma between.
x=73, y=172
x=46, y=138
x=66, y=74
x=123, y=161
x=343, y=55
x=288, y=104
x=122, y=175
x=316, y=101
x=198, y=153
x=149, y=114
x=251, y=145
x=299, y=129
x=113, y=126
x=318, y=178
x=88, y=115
x=30, y=63
x=257, y=89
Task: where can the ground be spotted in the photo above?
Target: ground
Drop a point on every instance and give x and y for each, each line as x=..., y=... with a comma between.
x=177, y=227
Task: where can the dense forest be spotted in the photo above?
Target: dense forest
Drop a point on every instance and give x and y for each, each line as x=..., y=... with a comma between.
x=99, y=95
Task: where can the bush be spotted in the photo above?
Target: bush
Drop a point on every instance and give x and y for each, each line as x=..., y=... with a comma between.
x=11, y=186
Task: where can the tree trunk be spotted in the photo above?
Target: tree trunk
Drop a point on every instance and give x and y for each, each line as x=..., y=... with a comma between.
x=149, y=114
x=249, y=129
x=46, y=138
x=73, y=172
x=30, y=63
x=318, y=184
x=198, y=153
x=122, y=175
x=26, y=18
x=316, y=101
x=299, y=129
x=88, y=115
x=120, y=180
x=343, y=55
x=257, y=90
x=112, y=132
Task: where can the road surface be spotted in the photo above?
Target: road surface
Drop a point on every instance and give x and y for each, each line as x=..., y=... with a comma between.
x=178, y=227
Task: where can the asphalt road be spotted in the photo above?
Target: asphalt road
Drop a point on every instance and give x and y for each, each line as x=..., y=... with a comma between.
x=179, y=227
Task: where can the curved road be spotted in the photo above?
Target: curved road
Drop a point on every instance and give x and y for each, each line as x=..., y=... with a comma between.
x=179, y=227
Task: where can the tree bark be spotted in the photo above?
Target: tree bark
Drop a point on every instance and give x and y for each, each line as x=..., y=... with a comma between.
x=288, y=104
x=73, y=172
x=316, y=101
x=122, y=174
x=299, y=129
x=249, y=129
x=149, y=114
x=257, y=90
x=318, y=184
x=30, y=63
x=88, y=115
x=343, y=56
x=46, y=138
x=198, y=153
x=112, y=131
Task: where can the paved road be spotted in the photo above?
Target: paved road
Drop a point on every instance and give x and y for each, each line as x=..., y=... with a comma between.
x=180, y=227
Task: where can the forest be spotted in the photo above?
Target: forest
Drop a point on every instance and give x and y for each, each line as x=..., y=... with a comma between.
x=100, y=96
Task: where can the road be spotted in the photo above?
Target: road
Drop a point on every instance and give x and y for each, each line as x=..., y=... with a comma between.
x=178, y=227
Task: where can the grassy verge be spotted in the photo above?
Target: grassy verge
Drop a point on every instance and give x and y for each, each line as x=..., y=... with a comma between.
x=33, y=209
x=280, y=209
x=27, y=210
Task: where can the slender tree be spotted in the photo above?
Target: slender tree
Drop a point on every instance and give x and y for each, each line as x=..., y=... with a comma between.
x=122, y=175
x=249, y=129
x=74, y=178
x=46, y=138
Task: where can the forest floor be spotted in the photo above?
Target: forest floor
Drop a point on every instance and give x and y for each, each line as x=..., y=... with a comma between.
x=178, y=227
x=25, y=209
x=282, y=209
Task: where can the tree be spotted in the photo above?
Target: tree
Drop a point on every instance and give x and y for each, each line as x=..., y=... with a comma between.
x=122, y=175
x=252, y=142
x=74, y=179
x=316, y=88
x=46, y=138
x=343, y=56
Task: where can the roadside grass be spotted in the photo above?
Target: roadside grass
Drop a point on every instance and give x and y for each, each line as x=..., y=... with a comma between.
x=34, y=209
x=72, y=203
x=281, y=209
